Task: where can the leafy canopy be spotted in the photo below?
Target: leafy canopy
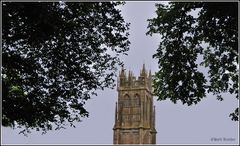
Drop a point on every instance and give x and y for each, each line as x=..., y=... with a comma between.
x=55, y=56
x=188, y=31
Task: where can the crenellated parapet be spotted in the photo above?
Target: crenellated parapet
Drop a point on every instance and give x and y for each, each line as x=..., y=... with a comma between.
x=130, y=81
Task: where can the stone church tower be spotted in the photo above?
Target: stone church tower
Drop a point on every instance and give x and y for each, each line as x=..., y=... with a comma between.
x=135, y=113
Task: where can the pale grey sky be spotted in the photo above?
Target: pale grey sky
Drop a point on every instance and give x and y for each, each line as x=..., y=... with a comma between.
x=175, y=123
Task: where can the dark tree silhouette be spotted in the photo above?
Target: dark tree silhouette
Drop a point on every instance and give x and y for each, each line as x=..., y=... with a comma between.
x=183, y=36
x=55, y=56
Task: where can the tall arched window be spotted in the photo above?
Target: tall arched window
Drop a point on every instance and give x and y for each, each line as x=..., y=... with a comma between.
x=126, y=101
x=136, y=100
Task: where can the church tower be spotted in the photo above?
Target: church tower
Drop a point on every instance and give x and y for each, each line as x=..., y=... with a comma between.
x=134, y=113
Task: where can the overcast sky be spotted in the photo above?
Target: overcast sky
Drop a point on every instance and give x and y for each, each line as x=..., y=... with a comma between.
x=175, y=123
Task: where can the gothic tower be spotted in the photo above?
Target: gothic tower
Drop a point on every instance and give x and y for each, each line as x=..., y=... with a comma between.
x=134, y=113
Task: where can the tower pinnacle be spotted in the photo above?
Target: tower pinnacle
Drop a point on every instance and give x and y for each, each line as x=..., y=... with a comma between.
x=143, y=73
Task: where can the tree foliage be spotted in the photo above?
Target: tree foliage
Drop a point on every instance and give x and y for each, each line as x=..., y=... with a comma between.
x=55, y=56
x=190, y=30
